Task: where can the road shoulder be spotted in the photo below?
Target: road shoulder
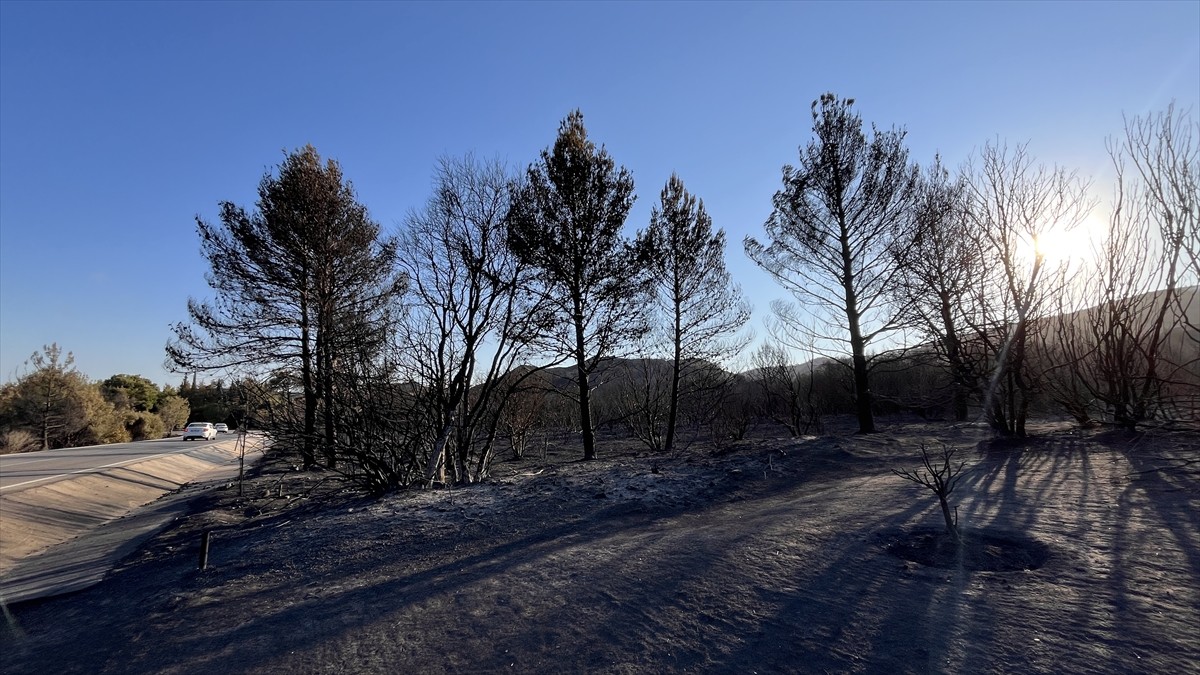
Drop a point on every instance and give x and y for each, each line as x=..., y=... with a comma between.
x=65, y=536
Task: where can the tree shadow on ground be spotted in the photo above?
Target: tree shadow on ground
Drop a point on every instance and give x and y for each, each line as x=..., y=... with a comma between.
x=775, y=575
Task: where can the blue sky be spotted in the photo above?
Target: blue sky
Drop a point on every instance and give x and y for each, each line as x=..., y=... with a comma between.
x=120, y=122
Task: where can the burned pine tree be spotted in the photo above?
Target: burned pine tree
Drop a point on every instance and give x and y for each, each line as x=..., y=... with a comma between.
x=831, y=235
x=298, y=282
x=566, y=226
x=703, y=309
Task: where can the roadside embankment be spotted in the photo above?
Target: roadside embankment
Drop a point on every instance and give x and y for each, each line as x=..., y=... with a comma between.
x=41, y=517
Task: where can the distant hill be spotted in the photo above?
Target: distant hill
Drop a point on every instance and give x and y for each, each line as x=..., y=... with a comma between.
x=619, y=369
x=1178, y=340
x=797, y=368
x=1145, y=307
x=626, y=369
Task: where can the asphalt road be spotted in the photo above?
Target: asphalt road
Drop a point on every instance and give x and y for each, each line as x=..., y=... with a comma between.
x=38, y=468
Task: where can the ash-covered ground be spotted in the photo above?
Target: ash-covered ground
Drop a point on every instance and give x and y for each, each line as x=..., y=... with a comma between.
x=1081, y=554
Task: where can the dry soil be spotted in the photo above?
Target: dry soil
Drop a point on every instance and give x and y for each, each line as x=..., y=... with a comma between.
x=770, y=555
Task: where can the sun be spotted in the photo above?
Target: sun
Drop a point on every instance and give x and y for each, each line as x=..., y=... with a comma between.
x=1054, y=245
x=1069, y=247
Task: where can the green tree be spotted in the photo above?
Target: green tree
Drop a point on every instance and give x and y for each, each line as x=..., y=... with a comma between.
x=143, y=425
x=830, y=237
x=130, y=391
x=702, y=306
x=208, y=401
x=47, y=398
x=173, y=410
x=55, y=402
x=566, y=226
x=300, y=284
x=105, y=424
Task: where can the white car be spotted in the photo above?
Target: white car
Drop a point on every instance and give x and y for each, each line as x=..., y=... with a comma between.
x=222, y=428
x=203, y=430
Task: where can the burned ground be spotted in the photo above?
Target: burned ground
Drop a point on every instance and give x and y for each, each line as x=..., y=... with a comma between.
x=773, y=555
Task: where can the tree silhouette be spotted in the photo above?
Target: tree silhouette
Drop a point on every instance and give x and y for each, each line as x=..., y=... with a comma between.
x=1011, y=202
x=300, y=284
x=566, y=226
x=471, y=318
x=937, y=262
x=831, y=235
x=697, y=297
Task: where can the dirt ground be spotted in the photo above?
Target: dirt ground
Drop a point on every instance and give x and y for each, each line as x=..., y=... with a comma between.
x=773, y=555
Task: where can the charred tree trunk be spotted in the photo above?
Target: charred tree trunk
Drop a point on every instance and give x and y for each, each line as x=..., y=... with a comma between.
x=307, y=451
x=673, y=409
x=862, y=384
x=585, y=394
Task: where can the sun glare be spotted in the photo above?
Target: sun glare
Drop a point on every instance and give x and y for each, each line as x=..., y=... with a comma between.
x=1054, y=246
x=1072, y=247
